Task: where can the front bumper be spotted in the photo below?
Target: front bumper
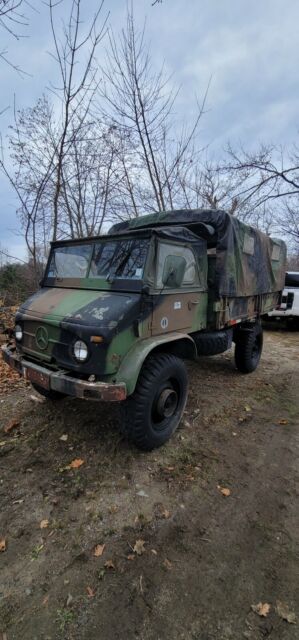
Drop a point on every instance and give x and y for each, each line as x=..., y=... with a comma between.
x=61, y=381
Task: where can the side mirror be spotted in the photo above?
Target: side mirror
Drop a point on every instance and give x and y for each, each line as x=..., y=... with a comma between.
x=174, y=271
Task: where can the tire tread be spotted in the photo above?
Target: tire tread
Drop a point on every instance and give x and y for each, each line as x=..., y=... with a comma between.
x=133, y=408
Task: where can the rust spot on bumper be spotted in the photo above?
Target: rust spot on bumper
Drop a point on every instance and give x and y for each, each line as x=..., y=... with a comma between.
x=61, y=381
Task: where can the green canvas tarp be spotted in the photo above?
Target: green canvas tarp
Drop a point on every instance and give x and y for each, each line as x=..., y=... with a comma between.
x=248, y=262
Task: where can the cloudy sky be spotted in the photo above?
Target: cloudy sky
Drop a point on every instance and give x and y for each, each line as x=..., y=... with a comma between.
x=248, y=51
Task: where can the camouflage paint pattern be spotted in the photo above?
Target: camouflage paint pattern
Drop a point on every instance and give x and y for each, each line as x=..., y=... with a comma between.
x=248, y=262
x=131, y=318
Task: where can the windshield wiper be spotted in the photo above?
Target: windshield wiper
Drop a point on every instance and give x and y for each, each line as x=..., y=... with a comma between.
x=111, y=276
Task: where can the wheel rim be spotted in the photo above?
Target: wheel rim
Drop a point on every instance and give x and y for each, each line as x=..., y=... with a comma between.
x=165, y=405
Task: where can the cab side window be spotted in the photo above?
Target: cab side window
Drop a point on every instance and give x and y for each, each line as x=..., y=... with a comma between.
x=176, y=266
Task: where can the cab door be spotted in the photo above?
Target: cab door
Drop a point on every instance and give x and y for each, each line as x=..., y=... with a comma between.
x=180, y=295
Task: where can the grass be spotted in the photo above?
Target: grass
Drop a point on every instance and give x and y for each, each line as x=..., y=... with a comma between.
x=36, y=551
x=64, y=618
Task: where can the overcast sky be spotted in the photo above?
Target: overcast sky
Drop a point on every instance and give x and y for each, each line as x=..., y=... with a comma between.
x=249, y=51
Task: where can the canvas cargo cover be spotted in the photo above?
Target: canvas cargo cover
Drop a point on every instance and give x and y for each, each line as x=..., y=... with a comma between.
x=248, y=262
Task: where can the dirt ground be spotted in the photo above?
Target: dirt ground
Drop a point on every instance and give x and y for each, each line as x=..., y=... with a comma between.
x=182, y=561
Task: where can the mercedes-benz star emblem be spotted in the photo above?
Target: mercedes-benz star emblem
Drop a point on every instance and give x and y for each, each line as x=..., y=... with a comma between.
x=42, y=338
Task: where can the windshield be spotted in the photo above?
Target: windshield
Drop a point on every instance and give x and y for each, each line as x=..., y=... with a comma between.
x=123, y=258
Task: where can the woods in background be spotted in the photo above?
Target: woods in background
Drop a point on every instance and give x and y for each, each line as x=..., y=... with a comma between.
x=104, y=144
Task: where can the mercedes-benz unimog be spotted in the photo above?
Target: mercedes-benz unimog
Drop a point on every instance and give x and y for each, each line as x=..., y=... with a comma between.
x=116, y=315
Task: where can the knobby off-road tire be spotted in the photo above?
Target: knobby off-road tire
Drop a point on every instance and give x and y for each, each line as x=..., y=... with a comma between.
x=152, y=413
x=248, y=349
x=48, y=393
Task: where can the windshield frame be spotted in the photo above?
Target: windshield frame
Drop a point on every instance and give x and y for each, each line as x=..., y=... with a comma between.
x=92, y=282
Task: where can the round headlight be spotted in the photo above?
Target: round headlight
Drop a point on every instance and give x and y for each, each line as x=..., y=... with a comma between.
x=80, y=351
x=18, y=332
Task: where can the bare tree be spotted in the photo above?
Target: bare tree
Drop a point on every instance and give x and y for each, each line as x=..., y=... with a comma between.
x=153, y=154
x=61, y=174
x=77, y=86
x=269, y=178
x=88, y=176
x=12, y=22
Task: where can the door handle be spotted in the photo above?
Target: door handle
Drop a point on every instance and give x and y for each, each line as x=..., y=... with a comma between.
x=191, y=302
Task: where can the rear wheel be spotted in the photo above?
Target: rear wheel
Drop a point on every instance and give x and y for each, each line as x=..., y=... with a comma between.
x=153, y=412
x=249, y=346
x=48, y=393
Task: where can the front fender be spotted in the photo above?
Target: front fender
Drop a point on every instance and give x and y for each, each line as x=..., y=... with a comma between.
x=130, y=367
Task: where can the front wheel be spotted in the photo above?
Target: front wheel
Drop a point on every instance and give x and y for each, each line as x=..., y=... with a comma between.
x=153, y=412
x=249, y=346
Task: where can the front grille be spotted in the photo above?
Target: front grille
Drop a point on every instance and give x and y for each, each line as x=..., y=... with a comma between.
x=39, y=349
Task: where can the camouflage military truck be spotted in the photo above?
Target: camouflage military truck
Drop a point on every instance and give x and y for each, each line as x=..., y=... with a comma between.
x=116, y=315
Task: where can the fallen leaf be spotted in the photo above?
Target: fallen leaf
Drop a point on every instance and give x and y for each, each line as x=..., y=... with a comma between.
x=91, y=593
x=154, y=552
x=44, y=524
x=283, y=422
x=101, y=574
x=45, y=601
x=75, y=464
x=139, y=547
x=11, y=425
x=131, y=556
x=109, y=564
x=166, y=514
x=262, y=609
x=140, y=584
x=2, y=544
x=35, y=399
x=64, y=437
x=224, y=490
x=167, y=564
x=98, y=550
x=69, y=600
x=247, y=408
x=285, y=613
x=113, y=508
